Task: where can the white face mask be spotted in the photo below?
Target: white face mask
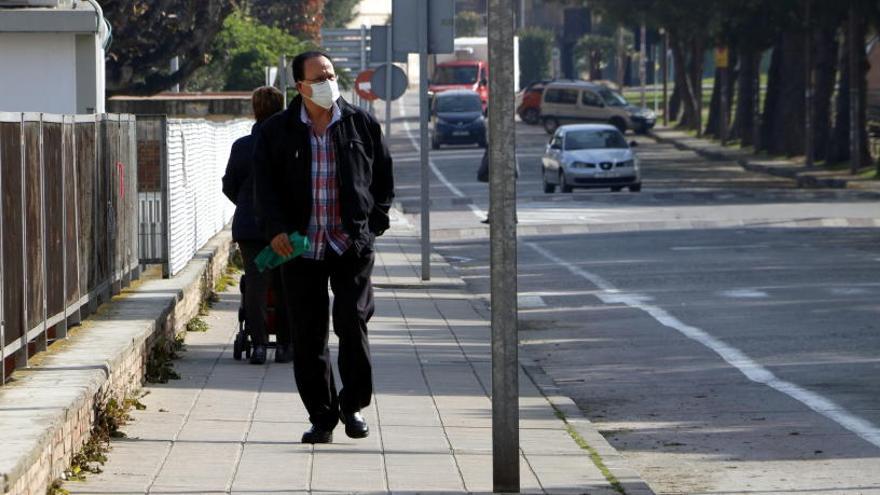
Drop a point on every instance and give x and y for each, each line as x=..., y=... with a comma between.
x=324, y=93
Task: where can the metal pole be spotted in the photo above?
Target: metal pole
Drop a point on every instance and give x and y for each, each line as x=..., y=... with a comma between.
x=722, y=114
x=423, y=135
x=654, y=91
x=41, y=342
x=21, y=356
x=808, y=84
x=283, y=76
x=389, y=54
x=2, y=284
x=502, y=240
x=175, y=66
x=665, y=74
x=643, y=53
x=855, y=46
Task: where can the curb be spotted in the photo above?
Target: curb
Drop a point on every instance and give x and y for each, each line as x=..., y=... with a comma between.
x=541, y=230
x=803, y=180
x=52, y=403
x=629, y=479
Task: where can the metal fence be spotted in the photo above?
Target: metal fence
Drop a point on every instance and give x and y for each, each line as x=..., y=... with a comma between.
x=181, y=202
x=66, y=221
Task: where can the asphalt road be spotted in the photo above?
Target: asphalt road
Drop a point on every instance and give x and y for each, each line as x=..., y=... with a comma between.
x=720, y=327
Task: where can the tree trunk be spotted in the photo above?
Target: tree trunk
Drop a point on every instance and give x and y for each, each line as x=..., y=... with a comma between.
x=712, y=123
x=744, y=118
x=691, y=74
x=713, y=127
x=825, y=43
x=681, y=107
x=838, y=149
x=782, y=130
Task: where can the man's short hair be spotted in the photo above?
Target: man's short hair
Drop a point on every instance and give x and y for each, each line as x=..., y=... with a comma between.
x=267, y=101
x=299, y=63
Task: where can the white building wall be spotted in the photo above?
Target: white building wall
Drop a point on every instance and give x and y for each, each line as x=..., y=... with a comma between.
x=38, y=72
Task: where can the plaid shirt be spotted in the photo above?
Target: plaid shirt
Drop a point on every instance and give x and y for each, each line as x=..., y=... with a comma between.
x=325, y=222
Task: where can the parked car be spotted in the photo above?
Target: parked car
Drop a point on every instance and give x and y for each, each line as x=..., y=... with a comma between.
x=457, y=118
x=590, y=156
x=528, y=100
x=462, y=74
x=581, y=101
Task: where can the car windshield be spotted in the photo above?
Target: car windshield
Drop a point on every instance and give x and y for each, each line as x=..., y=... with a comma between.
x=455, y=74
x=459, y=103
x=612, y=99
x=594, y=139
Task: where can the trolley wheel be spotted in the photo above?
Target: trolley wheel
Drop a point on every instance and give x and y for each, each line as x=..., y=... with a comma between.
x=239, y=346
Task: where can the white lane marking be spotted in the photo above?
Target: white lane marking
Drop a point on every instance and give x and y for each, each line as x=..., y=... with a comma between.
x=736, y=358
x=707, y=248
x=526, y=301
x=744, y=293
x=449, y=185
x=849, y=291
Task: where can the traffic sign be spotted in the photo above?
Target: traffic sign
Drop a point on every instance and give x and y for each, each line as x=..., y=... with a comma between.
x=378, y=42
x=441, y=25
x=363, y=85
x=398, y=82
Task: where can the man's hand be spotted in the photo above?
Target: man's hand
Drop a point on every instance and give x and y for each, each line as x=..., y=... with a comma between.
x=281, y=245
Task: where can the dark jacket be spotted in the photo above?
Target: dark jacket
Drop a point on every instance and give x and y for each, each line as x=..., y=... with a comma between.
x=283, y=180
x=238, y=186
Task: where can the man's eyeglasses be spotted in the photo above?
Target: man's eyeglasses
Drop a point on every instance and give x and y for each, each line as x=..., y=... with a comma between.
x=320, y=79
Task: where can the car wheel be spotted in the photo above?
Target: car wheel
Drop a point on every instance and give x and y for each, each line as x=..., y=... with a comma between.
x=531, y=116
x=635, y=188
x=563, y=186
x=551, y=124
x=620, y=124
x=548, y=187
x=616, y=189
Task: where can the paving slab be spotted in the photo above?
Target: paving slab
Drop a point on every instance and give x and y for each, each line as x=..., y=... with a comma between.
x=231, y=427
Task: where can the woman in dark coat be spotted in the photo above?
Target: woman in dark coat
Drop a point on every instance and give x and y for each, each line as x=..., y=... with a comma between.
x=238, y=186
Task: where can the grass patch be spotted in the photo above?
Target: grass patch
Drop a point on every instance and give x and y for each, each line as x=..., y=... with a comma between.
x=594, y=456
x=197, y=325
x=160, y=364
x=110, y=416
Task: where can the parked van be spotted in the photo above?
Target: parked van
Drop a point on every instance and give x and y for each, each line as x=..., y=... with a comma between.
x=581, y=101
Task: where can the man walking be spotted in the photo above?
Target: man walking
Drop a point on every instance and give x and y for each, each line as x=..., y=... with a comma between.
x=323, y=170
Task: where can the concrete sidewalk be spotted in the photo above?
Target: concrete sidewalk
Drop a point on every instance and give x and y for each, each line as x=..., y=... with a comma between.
x=791, y=168
x=230, y=427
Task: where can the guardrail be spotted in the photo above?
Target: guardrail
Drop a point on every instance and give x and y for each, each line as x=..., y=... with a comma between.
x=67, y=221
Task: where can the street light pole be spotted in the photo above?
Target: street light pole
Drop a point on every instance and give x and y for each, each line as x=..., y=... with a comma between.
x=502, y=239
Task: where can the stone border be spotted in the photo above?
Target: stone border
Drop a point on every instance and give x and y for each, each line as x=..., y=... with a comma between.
x=799, y=174
x=614, y=461
x=47, y=410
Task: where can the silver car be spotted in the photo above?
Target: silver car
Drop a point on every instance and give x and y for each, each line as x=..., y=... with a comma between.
x=590, y=156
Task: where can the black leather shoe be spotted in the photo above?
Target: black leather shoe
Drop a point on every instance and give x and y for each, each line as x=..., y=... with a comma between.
x=283, y=354
x=355, y=425
x=258, y=356
x=317, y=435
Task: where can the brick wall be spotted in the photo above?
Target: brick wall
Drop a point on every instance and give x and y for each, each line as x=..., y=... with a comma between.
x=149, y=165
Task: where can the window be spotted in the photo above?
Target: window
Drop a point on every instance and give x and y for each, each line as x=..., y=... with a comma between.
x=455, y=74
x=612, y=99
x=595, y=139
x=564, y=96
x=458, y=103
x=590, y=99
